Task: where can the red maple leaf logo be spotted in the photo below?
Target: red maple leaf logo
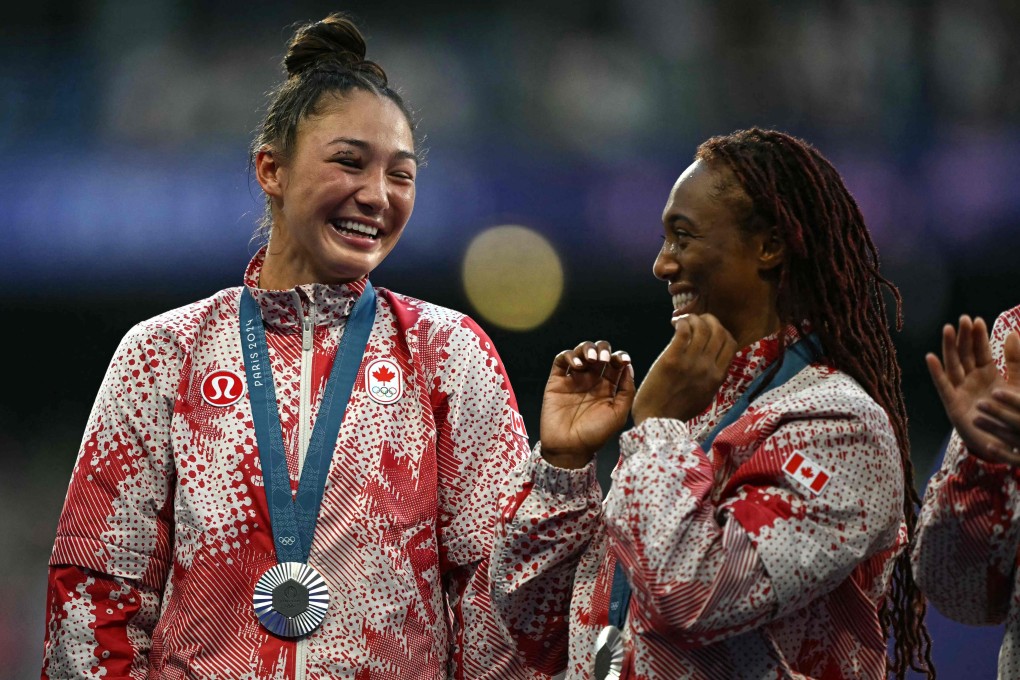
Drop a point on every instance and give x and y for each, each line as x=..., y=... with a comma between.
x=384, y=374
x=807, y=472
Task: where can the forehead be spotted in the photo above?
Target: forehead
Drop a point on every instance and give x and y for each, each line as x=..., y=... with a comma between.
x=358, y=114
x=693, y=191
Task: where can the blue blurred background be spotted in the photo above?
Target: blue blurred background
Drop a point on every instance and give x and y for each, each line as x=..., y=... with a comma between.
x=124, y=187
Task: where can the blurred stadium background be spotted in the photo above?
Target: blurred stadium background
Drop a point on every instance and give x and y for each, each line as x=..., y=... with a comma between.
x=125, y=190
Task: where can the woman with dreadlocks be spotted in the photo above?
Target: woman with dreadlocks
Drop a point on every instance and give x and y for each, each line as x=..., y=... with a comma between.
x=758, y=518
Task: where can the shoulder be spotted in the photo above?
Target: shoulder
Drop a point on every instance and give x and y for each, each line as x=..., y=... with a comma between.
x=413, y=314
x=184, y=325
x=823, y=392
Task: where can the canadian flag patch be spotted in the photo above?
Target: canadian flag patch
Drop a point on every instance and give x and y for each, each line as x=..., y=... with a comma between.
x=383, y=381
x=807, y=472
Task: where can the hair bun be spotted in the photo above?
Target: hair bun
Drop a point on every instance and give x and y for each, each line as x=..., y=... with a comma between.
x=334, y=43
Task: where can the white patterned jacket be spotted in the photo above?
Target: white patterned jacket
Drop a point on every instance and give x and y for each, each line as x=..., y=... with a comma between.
x=766, y=557
x=968, y=535
x=165, y=527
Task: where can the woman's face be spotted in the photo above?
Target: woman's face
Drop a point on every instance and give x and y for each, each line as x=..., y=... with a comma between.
x=341, y=199
x=710, y=265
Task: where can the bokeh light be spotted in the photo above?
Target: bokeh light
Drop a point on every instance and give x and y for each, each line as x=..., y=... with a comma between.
x=513, y=277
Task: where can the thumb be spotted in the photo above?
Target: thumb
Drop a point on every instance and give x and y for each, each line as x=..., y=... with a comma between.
x=1011, y=354
x=625, y=388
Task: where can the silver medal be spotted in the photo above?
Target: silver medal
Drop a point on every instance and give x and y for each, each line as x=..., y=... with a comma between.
x=609, y=654
x=291, y=599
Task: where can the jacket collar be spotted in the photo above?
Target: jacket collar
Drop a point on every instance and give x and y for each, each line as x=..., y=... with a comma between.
x=285, y=309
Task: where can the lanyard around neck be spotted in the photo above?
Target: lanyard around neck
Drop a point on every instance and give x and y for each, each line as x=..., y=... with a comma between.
x=798, y=355
x=293, y=518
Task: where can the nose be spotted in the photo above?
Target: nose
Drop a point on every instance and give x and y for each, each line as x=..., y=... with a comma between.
x=372, y=195
x=665, y=265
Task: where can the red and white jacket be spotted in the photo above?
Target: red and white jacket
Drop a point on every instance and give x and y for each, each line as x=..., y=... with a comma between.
x=968, y=536
x=767, y=556
x=165, y=527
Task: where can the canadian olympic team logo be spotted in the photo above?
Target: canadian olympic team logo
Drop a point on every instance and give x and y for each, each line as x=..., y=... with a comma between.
x=222, y=388
x=383, y=381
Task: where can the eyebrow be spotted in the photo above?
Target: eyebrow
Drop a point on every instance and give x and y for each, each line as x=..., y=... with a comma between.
x=364, y=146
x=673, y=218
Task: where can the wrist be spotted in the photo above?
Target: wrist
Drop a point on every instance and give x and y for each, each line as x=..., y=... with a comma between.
x=567, y=459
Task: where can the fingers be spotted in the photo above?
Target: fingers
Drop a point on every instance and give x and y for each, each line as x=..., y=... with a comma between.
x=943, y=385
x=1004, y=407
x=965, y=343
x=1004, y=432
x=998, y=452
x=625, y=387
x=951, y=355
x=720, y=346
x=1011, y=355
x=589, y=356
x=982, y=348
x=684, y=331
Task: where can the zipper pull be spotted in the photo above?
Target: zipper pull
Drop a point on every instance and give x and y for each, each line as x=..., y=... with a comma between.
x=307, y=336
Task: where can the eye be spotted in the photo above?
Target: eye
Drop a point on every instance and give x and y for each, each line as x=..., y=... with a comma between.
x=403, y=175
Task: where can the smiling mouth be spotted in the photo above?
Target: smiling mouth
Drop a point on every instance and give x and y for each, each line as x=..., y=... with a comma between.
x=682, y=302
x=352, y=228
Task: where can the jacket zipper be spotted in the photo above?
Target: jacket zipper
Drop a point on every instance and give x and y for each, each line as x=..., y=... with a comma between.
x=304, y=434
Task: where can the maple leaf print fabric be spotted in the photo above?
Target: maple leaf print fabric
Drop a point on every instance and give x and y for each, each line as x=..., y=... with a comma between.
x=739, y=570
x=968, y=534
x=165, y=527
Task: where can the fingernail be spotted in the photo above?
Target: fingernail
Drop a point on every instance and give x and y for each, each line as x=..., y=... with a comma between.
x=576, y=362
x=592, y=354
x=625, y=357
x=604, y=355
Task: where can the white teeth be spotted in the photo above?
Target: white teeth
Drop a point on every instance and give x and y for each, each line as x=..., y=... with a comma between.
x=351, y=225
x=681, y=300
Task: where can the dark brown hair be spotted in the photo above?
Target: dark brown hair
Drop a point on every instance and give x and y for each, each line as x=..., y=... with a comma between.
x=324, y=57
x=831, y=279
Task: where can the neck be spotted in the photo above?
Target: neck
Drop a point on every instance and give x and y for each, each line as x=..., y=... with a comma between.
x=280, y=272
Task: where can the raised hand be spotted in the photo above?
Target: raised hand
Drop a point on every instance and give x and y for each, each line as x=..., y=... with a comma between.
x=587, y=399
x=1000, y=415
x=684, y=379
x=966, y=380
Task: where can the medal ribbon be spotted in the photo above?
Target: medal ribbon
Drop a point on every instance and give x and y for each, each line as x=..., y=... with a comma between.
x=292, y=517
x=798, y=356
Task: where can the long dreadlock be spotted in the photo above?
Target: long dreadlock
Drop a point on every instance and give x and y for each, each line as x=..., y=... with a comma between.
x=831, y=279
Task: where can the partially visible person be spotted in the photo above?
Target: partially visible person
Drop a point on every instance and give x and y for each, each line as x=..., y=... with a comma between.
x=968, y=539
x=296, y=477
x=758, y=518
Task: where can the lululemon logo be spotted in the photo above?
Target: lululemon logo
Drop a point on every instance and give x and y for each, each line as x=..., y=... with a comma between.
x=383, y=381
x=222, y=388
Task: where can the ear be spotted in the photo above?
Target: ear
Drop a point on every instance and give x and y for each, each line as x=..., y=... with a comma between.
x=269, y=172
x=771, y=249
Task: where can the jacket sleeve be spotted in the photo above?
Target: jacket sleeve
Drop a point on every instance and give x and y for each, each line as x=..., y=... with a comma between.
x=968, y=533
x=480, y=438
x=112, y=552
x=708, y=563
x=548, y=516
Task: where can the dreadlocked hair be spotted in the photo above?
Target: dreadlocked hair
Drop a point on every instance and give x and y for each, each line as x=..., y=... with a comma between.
x=831, y=279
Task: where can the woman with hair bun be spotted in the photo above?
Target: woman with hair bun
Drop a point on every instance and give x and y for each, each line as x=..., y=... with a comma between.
x=297, y=477
x=759, y=516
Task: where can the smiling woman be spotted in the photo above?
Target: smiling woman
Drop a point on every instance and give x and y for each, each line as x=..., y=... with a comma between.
x=296, y=477
x=759, y=516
